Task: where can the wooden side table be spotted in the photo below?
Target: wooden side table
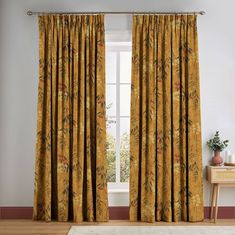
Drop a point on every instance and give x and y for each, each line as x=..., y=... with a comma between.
x=219, y=176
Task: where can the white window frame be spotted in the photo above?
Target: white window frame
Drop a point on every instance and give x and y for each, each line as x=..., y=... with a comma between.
x=118, y=42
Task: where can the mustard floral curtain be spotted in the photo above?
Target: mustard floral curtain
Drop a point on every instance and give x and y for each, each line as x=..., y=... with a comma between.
x=70, y=173
x=165, y=141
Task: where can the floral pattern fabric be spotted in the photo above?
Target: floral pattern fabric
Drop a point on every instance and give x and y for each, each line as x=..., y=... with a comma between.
x=165, y=141
x=70, y=169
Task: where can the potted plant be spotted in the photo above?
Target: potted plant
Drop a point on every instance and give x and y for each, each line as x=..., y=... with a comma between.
x=217, y=145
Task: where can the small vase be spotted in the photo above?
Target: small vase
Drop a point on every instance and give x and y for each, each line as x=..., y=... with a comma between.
x=217, y=160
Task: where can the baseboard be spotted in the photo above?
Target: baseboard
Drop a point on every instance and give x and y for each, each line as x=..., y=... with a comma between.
x=119, y=213
x=224, y=212
x=16, y=212
x=115, y=213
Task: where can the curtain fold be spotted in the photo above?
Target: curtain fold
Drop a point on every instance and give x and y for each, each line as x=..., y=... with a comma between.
x=165, y=137
x=70, y=168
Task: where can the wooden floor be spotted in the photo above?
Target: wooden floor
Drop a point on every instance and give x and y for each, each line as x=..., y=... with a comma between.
x=26, y=227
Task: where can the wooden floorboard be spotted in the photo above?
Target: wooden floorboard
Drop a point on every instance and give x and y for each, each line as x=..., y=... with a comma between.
x=26, y=227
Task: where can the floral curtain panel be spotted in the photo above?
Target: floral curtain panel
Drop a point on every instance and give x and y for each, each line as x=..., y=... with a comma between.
x=165, y=141
x=70, y=171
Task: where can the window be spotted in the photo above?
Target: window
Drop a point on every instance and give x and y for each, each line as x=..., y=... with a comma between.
x=118, y=93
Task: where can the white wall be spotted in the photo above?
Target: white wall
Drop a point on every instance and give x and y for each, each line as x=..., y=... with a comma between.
x=19, y=75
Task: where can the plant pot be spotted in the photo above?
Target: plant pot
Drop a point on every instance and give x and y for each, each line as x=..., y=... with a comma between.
x=217, y=160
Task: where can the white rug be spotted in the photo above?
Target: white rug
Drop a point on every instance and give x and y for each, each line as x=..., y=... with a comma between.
x=152, y=230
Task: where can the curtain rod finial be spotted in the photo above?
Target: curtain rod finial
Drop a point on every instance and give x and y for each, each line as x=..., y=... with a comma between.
x=202, y=12
x=29, y=13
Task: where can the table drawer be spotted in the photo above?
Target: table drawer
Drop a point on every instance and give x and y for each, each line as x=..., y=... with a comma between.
x=222, y=175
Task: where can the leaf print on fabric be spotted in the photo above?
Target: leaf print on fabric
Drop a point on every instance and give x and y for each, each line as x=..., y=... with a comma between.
x=70, y=166
x=165, y=133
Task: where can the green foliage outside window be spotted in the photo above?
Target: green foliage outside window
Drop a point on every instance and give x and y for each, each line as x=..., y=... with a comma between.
x=110, y=147
x=111, y=154
x=124, y=158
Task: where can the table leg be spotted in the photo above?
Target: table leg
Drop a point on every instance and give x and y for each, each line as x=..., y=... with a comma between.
x=216, y=202
x=212, y=200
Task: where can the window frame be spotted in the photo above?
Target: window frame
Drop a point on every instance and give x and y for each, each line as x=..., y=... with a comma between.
x=115, y=44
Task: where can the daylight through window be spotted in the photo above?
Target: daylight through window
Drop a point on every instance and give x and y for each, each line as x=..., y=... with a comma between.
x=118, y=88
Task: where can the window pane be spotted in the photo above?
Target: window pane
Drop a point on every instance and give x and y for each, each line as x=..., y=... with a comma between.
x=111, y=148
x=125, y=93
x=111, y=133
x=124, y=149
x=125, y=66
x=111, y=157
x=124, y=132
x=111, y=100
x=125, y=165
x=110, y=66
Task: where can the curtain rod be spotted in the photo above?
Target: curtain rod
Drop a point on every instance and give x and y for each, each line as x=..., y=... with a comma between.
x=30, y=13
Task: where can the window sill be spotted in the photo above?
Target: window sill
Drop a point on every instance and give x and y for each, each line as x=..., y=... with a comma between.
x=118, y=197
x=118, y=190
